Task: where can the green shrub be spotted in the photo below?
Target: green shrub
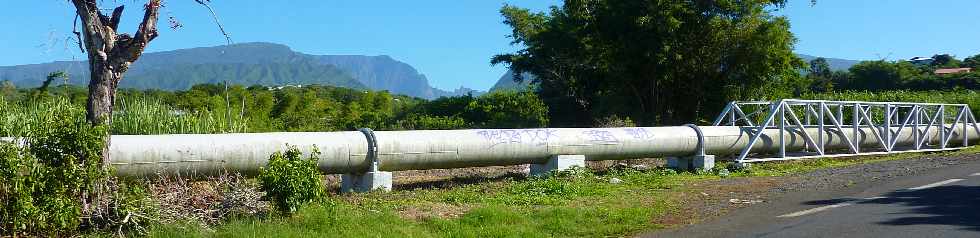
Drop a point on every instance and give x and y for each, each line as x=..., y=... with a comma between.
x=507, y=109
x=44, y=181
x=429, y=122
x=290, y=181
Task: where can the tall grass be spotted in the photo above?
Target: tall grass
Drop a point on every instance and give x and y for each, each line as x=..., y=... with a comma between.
x=20, y=119
x=135, y=116
x=140, y=116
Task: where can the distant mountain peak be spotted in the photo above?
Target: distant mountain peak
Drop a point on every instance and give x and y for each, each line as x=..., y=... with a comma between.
x=835, y=63
x=264, y=63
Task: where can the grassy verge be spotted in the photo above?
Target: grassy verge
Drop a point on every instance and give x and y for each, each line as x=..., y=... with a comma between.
x=571, y=204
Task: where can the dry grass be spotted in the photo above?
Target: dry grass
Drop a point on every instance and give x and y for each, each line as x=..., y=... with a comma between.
x=207, y=202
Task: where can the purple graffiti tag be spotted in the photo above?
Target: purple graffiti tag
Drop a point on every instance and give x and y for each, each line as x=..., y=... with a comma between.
x=600, y=136
x=537, y=137
x=540, y=136
x=639, y=133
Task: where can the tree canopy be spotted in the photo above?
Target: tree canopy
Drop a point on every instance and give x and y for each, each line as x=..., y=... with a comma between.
x=972, y=62
x=655, y=61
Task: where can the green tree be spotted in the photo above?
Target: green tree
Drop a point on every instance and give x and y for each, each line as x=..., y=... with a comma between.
x=656, y=61
x=507, y=109
x=882, y=75
x=56, y=75
x=819, y=67
x=945, y=61
x=260, y=103
x=972, y=62
x=820, y=76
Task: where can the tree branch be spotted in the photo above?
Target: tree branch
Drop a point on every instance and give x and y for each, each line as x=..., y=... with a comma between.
x=96, y=40
x=148, y=28
x=128, y=49
x=78, y=35
x=216, y=21
x=116, y=17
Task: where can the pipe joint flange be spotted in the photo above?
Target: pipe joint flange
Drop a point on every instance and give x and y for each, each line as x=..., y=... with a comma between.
x=700, y=149
x=372, y=150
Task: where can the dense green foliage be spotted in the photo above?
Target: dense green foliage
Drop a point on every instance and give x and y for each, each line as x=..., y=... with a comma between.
x=290, y=181
x=881, y=75
x=655, y=61
x=44, y=182
x=969, y=97
x=209, y=108
x=503, y=109
x=639, y=60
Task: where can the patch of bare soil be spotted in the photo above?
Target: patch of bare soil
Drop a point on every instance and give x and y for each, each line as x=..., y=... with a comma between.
x=443, y=178
x=448, y=178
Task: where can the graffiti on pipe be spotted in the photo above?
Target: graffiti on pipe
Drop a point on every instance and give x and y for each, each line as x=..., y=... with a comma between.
x=639, y=133
x=600, y=136
x=536, y=137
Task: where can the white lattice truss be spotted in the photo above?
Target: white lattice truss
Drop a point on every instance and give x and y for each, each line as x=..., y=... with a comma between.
x=886, y=118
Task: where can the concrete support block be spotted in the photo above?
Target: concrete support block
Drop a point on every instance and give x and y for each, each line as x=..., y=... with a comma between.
x=705, y=162
x=558, y=163
x=365, y=182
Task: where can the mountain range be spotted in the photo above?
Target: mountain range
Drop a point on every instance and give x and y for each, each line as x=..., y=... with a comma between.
x=835, y=63
x=248, y=64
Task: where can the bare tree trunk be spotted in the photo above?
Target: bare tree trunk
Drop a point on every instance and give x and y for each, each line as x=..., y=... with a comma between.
x=102, y=93
x=109, y=55
x=101, y=96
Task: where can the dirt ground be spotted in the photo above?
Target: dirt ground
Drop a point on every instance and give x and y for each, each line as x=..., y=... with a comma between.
x=445, y=178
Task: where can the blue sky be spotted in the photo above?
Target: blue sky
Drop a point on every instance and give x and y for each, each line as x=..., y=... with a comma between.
x=451, y=42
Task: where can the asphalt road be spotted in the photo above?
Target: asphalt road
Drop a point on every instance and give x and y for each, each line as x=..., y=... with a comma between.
x=941, y=202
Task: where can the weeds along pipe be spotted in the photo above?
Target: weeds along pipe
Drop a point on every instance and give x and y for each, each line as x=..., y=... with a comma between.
x=346, y=152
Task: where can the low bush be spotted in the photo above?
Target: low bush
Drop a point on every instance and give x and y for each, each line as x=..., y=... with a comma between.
x=47, y=176
x=290, y=181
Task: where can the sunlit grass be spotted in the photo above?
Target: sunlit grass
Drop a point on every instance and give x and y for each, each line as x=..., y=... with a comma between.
x=132, y=117
x=581, y=204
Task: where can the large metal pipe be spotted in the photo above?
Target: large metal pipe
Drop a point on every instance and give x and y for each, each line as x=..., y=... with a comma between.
x=346, y=152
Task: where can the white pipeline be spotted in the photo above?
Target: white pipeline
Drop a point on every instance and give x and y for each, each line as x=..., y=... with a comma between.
x=347, y=152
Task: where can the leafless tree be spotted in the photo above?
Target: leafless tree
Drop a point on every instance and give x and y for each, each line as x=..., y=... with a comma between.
x=110, y=53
